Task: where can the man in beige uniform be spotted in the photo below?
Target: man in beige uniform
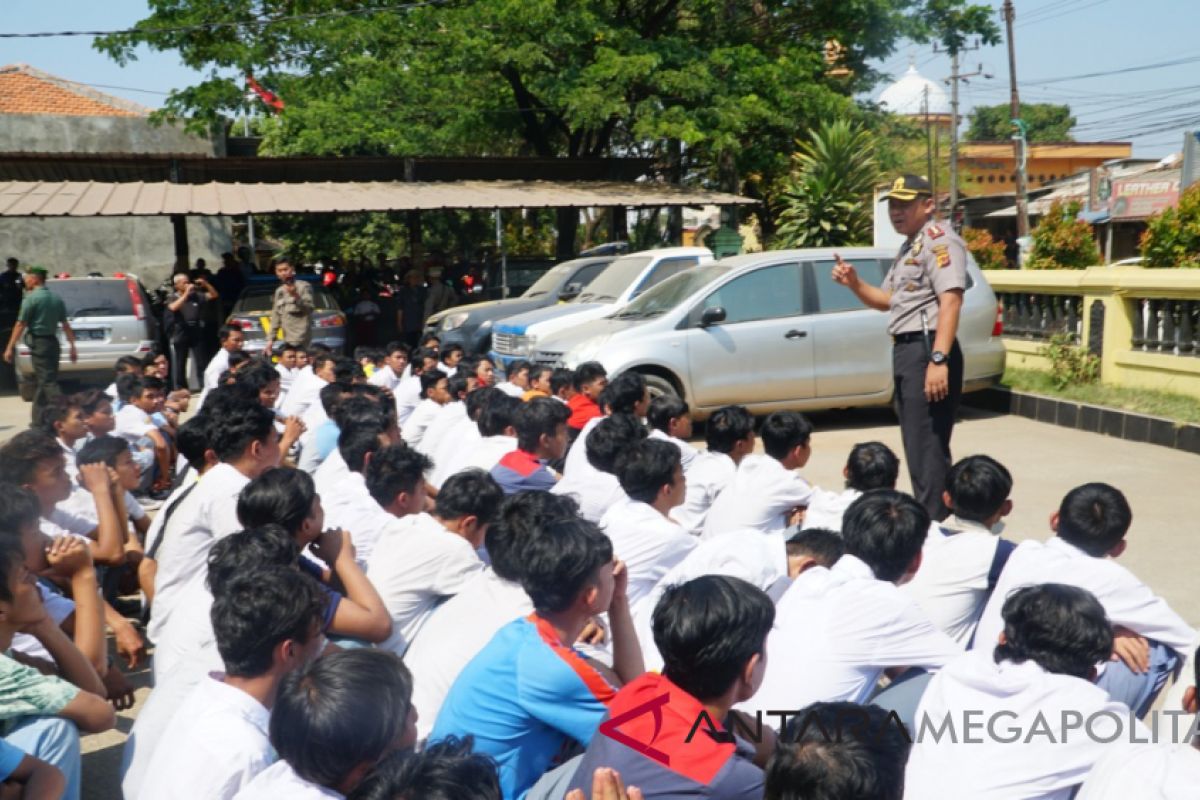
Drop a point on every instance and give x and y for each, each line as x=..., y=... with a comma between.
x=292, y=308
x=923, y=293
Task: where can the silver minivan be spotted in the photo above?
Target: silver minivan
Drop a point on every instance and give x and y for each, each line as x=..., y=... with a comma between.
x=769, y=331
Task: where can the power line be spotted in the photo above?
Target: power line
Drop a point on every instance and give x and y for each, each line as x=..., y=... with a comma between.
x=1122, y=71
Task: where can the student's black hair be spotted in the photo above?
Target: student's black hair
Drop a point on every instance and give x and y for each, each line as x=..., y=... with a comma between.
x=357, y=442
x=839, y=751
x=824, y=545
x=56, y=411
x=238, y=358
x=1063, y=629
x=231, y=434
x=886, y=530
x=522, y=516
x=587, y=372
x=151, y=383
x=480, y=399
x=289, y=347
x=339, y=711
x=258, y=376
x=453, y=347
x=417, y=360
x=365, y=352
x=90, y=401
x=978, y=487
x=18, y=508
x=257, y=610
x=498, y=415
x=784, y=431
x=332, y=394
x=457, y=385
x=447, y=769
x=225, y=330
x=316, y=350
x=102, y=450
x=663, y=409
x=395, y=469
x=430, y=380
x=12, y=555
x=226, y=399
x=726, y=427
x=283, y=496
x=130, y=386
x=346, y=370
x=248, y=550
x=471, y=363
x=539, y=416
x=318, y=358
x=624, y=392
x=516, y=367
x=560, y=379
x=537, y=371
x=1094, y=517
x=396, y=347
x=19, y=456
x=646, y=467
x=357, y=410
x=128, y=364
x=872, y=465
x=611, y=437
x=561, y=562
x=473, y=493
x=707, y=629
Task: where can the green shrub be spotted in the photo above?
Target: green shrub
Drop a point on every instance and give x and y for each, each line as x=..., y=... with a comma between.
x=1070, y=364
x=1063, y=241
x=989, y=254
x=1172, y=237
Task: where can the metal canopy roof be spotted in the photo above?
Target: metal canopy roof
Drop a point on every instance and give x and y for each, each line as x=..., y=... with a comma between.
x=92, y=199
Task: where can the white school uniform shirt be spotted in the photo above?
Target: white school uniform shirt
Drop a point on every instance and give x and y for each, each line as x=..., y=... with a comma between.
x=278, y=781
x=156, y=524
x=595, y=492
x=760, y=560
x=648, y=543
x=385, y=377
x=687, y=453
x=306, y=390
x=1160, y=771
x=451, y=414
x=62, y=522
x=454, y=634
x=408, y=397
x=761, y=496
x=207, y=514
x=413, y=431
x=287, y=377
x=349, y=506
x=951, y=586
x=711, y=472
x=415, y=565
x=217, y=742
x=133, y=423
x=1012, y=698
x=826, y=509
x=576, y=463
x=186, y=640
x=1126, y=600
x=836, y=631
x=152, y=720
x=111, y=391
x=58, y=608
x=212, y=373
x=482, y=454
x=511, y=389
x=463, y=436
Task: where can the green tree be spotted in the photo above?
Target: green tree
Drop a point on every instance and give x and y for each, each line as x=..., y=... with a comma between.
x=1063, y=241
x=827, y=198
x=1047, y=122
x=1172, y=237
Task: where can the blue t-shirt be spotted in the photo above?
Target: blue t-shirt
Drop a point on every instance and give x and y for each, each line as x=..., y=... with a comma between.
x=526, y=698
x=326, y=439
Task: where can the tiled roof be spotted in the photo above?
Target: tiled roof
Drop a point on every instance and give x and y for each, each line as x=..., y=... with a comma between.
x=25, y=90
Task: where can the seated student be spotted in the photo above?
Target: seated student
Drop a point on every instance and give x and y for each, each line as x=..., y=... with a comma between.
x=598, y=489
x=729, y=434
x=458, y=386
x=1037, y=678
x=395, y=359
x=450, y=357
x=838, y=629
x=643, y=535
x=498, y=436
x=428, y=557
x=813, y=547
x=562, y=384
x=461, y=436
x=589, y=381
x=445, y=770
x=267, y=623
x=231, y=340
x=463, y=625
x=435, y=393
x=871, y=465
x=539, y=383
x=625, y=394
x=482, y=368
x=963, y=557
x=114, y=454
x=767, y=492
x=1091, y=524
x=333, y=721
x=320, y=427
x=369, y=359
x=96, y=409
x=529, y=693
x=41, y=713
x=287, y=369
x=670, y=419
x=712, y=634
x=33, y=460
x=347, y=502
x=1168, y=770
x=839, y=751
x=62, y=418
x=541, y=426
x=408, y=391
x=263, y=382
x=125, y=365
x=140, y=397
x=310, y=378
x=516, y=379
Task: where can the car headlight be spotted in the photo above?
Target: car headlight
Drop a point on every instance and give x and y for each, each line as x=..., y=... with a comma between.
x=452, y=321
x=526, y=344
x=587, y=350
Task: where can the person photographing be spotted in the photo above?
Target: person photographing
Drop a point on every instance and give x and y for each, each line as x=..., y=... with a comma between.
x=923, y=294
x=292, y=308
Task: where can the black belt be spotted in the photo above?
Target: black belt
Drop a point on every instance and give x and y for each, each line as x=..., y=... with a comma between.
x=43, y=336
x=911, y=336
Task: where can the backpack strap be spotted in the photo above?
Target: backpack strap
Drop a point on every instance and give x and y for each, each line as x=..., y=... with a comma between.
x=170, y=510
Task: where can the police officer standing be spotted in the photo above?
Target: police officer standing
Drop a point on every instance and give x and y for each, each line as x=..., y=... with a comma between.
x=11, y=287
x=923, y=293
x=38, y=320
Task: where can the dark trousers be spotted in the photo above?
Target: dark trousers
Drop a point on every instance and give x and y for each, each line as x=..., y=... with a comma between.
x=926, y=427
x=184, y=348
x=44, y=354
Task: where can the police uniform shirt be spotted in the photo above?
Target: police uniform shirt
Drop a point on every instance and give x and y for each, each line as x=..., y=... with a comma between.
x=42, y=311
x=929, y=264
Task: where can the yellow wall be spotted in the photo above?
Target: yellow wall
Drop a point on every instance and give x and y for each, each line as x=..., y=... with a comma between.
x=987, y=167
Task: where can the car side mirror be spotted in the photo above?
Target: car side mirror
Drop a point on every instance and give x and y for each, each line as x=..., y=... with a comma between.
x=712, y=315
x=571, y=290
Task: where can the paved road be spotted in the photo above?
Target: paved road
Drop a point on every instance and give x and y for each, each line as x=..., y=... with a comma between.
x=1046, y=461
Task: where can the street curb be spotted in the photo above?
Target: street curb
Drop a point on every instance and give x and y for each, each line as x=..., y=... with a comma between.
x=1125, y=425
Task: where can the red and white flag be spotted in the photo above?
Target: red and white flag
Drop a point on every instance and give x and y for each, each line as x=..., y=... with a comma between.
x=268, y=97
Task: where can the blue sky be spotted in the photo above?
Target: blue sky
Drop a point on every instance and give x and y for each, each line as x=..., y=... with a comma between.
x=1055, y=39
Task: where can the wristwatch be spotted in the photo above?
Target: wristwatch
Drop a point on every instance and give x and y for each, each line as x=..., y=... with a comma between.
x=937, y=357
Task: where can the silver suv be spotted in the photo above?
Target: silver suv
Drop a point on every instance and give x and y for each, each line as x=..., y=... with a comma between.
x=111, y=318
x=769, y=331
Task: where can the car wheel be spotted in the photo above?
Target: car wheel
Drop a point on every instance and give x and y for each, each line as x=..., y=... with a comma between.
x=660, y=386
x=26, y=390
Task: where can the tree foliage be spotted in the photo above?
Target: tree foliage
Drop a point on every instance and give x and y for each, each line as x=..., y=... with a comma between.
x=1172, y=237
x=988, y=253
x=1063, y=241
x=1046, y=122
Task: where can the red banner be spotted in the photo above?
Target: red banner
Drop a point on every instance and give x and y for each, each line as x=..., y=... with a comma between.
x=268, y=97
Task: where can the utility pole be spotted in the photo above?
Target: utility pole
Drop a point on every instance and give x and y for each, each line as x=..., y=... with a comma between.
x=928, y=143
x=1019, y=136
x=953, y=80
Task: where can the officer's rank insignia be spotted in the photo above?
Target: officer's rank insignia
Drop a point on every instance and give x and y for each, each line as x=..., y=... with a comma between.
x=935, y=232
x=910, y=287
x=942, y=253
x=916, y=248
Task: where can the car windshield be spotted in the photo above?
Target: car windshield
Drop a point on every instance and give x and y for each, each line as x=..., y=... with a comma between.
x=93, y=298
x=615, y=279
x=549, y=280
x=259, y=299
x=671, y=292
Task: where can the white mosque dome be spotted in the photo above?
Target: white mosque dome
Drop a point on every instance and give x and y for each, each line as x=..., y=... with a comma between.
x=907, y=96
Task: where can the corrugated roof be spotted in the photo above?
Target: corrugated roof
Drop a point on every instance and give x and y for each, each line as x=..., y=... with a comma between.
x=25, y=90
x=91, y=199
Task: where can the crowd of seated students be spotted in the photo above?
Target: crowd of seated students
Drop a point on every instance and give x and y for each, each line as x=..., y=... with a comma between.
x=394, y=576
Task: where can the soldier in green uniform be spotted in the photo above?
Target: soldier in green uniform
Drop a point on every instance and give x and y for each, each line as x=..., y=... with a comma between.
x=923, y=293
x=38, y=320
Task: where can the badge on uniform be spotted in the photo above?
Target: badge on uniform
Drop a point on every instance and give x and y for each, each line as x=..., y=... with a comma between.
x=916, y=248
x=935, y=232
x=910, y=287
x=942, y=253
